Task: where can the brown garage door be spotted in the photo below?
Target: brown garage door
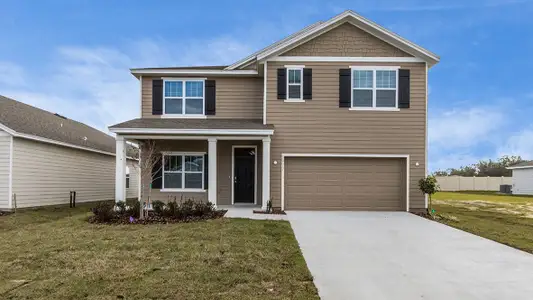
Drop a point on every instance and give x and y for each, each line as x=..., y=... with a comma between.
x=344, y=183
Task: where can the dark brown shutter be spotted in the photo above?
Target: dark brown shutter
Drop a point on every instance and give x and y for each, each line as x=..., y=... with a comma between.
x=345, y=88
x=308, y=84
x=206, y=172
x=210, y=97
x=404, y=88
x=157, y=96
x=282, y=84
x=157, y=173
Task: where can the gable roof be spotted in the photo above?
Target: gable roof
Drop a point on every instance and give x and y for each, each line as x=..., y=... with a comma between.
x=26, y=121
x=322, y=27
x=522, y=165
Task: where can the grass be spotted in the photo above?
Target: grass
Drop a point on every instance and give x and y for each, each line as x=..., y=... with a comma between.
x=503, y=218
x=55, y=254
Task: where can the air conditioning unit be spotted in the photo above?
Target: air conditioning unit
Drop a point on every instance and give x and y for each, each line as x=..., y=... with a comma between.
x=505, y=188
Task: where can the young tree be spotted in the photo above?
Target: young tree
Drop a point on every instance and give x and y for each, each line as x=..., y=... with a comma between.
x=149, y=158
x=429, y=186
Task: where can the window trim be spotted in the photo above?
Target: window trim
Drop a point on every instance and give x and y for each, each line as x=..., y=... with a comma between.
x=183, y=97
x=183, y=172
x=295, y=68
x=374, y=89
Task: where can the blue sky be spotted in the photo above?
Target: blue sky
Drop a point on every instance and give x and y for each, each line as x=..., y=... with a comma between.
x=73, y=57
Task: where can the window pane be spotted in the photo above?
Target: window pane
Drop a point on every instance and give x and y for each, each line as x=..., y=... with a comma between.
x=173, y=163
x=173, y=89
x=194, y=163
x=295, y=76
x=363, y=79
x=194, y=89
x=193, y=180
x=386, y=98
x=294, y=91
x=172, y=181
x=362, y=98
x=386, y=79
x=194, y=106
x=173, y=106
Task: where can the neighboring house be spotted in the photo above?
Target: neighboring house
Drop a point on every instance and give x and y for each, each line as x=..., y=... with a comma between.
x=44, y=156
x=333, y=117
x=522, y=178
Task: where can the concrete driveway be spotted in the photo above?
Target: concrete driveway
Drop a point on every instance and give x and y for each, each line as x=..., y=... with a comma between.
x=367, y=255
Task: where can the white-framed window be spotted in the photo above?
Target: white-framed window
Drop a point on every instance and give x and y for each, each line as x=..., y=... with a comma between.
x=183, y=171
x=375, y=88
x=184, y=97
x=295, y=82
x=127, y=177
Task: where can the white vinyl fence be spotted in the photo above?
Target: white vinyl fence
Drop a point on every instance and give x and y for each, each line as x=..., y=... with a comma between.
x=460, y=183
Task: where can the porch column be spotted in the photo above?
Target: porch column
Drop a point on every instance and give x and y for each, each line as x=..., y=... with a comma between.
x=266, y=172
x=212, y=167
x=120, y=174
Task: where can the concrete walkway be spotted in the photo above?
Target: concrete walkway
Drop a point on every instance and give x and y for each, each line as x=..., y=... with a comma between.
x=363, y=255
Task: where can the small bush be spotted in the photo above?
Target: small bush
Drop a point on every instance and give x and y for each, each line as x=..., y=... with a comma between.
x=158, y=207
x=103, y=212
x=133, y=209
x=171, y=212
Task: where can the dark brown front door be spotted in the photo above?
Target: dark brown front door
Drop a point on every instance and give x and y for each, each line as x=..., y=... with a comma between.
x=244, y=175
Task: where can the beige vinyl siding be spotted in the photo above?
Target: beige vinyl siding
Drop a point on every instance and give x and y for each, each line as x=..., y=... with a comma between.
x=5, y=142
x=240, y=98
x=346, y=40
x=224, y=163
x=44, y=174
x=320, y=126
x=133, y=191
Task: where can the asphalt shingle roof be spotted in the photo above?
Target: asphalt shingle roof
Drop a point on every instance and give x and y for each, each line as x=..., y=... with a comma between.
x=27, y=119
x=194, y=124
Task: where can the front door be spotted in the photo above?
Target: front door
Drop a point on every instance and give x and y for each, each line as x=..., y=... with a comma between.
x=244, y=175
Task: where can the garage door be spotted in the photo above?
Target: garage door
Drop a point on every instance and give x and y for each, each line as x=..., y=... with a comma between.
x=344, y=183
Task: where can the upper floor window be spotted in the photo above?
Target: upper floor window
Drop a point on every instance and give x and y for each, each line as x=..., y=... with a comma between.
x=374, y=88
x=294, y=83
x=183, y=97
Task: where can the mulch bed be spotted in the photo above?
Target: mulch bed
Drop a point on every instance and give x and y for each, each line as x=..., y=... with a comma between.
x=153, y=219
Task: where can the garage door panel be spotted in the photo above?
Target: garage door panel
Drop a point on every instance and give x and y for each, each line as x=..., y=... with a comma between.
x=344, y=183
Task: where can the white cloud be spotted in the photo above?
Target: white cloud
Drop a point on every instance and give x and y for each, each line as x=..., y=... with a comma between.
x=464, y=127
x=94, y=85
x=519, y=144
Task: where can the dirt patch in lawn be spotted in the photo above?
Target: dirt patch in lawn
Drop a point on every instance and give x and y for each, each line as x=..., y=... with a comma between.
x=519, y=209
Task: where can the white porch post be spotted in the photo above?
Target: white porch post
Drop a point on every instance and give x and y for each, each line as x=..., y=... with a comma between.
x=120, y=174
x=266, y=172
x=212, y=167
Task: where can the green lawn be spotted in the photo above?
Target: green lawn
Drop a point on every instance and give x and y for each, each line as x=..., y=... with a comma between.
x=503, y=218
x=56, y=254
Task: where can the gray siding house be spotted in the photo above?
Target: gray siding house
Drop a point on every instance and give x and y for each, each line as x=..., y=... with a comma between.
x=44, y=156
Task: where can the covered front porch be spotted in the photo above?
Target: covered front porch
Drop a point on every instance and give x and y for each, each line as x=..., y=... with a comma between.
x=225, y=166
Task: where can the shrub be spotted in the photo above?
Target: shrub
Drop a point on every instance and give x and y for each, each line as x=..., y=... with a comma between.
x=120, y=207
x=158, y=207
x=133, y=209
x=103, y=212
x=185, y=209
x=203, y=208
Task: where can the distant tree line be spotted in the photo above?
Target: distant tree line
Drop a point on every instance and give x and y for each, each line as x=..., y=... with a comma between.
x=483, y=168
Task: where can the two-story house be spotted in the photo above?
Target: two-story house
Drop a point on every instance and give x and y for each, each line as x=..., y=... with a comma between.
x=333, y=117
